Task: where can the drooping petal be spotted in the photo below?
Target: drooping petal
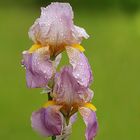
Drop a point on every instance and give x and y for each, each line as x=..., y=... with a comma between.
x=90, y=120
x=55, y=26
x=48, y=121
x=68, y=91
x=39, y=68
x=81, y=68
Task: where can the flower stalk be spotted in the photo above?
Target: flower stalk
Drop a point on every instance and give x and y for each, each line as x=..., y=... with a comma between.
x=53, y=137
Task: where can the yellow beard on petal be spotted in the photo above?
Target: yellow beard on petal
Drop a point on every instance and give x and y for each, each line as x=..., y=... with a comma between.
x=49, y=103
x=90, y=106
x=79, y=47
x=54, y=51
x=34, y=48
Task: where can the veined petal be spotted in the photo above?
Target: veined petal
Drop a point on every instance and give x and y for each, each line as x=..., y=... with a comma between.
x=55, y=27
x=81, y=68
x=89, y=117
x=68, y=91
x=39, y=69
x=48, y=121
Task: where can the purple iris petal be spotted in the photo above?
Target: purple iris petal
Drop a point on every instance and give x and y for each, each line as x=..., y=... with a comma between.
x=68, y=91
x=90, y=120
x=39, y=69
x=55, y=26
x=81, y=68
x=48, y=121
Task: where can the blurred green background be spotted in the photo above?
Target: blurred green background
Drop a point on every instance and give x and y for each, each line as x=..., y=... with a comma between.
x=113, y=50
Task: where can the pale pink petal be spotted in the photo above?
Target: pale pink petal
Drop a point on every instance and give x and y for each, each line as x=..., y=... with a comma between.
x=48, y=121
x=79, y=33
x=68, y=91
x=81, y=68
x=90, y=120
x=39, y=69
x=55, y=26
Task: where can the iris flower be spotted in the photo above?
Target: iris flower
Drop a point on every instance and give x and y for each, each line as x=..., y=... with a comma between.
x=70, y=94
x=53, y=33
x=55, y=29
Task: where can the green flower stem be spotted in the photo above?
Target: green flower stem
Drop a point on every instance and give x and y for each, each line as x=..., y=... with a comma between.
x=53, y=137
x=49, y=96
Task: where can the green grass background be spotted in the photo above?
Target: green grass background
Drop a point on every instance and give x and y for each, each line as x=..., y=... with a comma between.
x=113, y=50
